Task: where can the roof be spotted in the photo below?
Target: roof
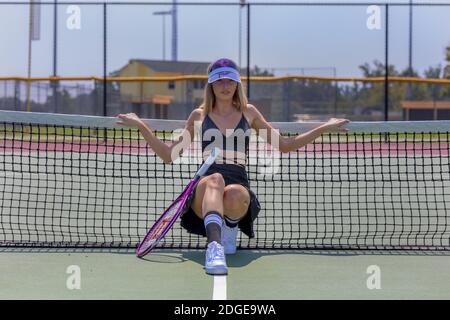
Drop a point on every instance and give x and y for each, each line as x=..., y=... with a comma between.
x=183, y=67
x=425, y=104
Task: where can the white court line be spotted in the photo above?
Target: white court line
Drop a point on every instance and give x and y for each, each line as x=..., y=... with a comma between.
x=220, y=288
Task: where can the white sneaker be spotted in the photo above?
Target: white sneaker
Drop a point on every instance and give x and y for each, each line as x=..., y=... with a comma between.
x=215, y=259
x=229, y=238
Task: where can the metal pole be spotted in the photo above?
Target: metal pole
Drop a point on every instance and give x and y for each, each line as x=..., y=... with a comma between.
x=17, y=105
x=248, y=50
x=104, y=60
x=410, y=37
x=410, y=69
x=174, y=32
x=29, y=56
x=5, y=86
x=163, y=14
x=335, y=91
x=386, y=72
x=164, y=37
x=55, y=57
x=242, y=4
x=240, y=36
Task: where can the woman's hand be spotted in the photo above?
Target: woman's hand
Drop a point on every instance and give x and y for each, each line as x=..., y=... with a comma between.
x=129, y=120
x=336, y=125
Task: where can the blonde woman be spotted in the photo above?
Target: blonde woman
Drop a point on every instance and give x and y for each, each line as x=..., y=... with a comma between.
x=223, y=200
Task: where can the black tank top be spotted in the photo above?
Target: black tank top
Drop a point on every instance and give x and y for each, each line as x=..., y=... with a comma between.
x=234, y=146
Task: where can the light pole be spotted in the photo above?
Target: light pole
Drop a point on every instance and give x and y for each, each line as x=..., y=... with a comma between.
x=54, y=84
x=410, y=37
x=410, y=69
x=174, y=30
x=163, y=14
x=242, y=4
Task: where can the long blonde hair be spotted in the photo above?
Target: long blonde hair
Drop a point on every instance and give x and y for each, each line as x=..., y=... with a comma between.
x=209, y=99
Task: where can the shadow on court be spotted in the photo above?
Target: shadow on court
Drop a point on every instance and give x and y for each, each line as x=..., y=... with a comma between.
x=245, y=257
x=242, y=258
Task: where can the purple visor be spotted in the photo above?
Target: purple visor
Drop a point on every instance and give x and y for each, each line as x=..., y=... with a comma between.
x=224, y=73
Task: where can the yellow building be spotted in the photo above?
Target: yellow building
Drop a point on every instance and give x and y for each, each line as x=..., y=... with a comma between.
x=162, y=100
x=426, y=110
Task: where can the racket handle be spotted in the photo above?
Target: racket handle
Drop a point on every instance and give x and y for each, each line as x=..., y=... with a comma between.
x=205, y=166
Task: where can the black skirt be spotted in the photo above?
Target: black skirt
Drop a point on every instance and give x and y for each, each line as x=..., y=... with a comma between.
x=232, y=174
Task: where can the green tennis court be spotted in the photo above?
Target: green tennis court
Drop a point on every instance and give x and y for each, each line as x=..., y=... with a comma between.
x=253, y=275
x=362, y=215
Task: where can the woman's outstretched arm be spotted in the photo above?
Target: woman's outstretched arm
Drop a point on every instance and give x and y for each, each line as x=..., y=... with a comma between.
x=287, y=144
x=168, y=153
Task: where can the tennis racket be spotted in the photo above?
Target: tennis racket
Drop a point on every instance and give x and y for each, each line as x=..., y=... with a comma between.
x=168, y=218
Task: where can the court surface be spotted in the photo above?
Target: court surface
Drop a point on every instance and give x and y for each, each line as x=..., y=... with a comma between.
x=59, y=189
x=253, y=275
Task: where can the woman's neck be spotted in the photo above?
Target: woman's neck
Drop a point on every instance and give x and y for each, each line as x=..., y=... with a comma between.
x=224, y=108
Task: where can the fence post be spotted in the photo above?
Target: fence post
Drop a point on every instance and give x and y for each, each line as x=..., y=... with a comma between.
x=105, y=103
x=386, y=72
x=248, y=50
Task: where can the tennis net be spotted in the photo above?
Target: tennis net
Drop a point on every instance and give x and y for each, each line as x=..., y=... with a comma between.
x=80, y=181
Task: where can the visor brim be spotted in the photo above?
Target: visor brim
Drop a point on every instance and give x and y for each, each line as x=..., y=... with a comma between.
x=224, y=75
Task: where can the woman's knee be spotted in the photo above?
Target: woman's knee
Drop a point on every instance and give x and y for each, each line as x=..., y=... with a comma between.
x=236, y=200
x=215, y=181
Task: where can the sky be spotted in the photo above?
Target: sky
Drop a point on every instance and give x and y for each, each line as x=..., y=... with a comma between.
x=316, y=40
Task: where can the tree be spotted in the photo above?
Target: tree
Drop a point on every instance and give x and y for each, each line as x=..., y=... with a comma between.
x=378, y=71
x=257, y=71
x=447, y=67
